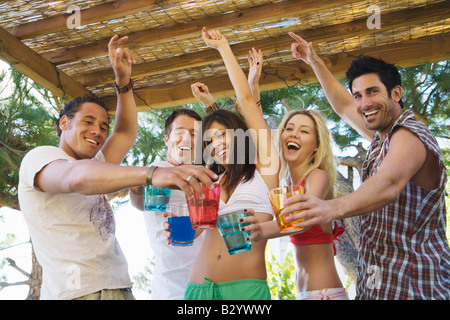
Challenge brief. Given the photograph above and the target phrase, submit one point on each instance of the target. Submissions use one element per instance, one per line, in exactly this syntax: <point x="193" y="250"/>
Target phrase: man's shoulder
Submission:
<point x="44" y="150"/>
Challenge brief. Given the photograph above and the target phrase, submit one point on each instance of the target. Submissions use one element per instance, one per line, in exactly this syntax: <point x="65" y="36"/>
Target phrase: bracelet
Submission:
<point x="259" y="103"/>
<point x="124" y="89"/>
<point x="149" y="175"/>
<point x="212" y="108"/>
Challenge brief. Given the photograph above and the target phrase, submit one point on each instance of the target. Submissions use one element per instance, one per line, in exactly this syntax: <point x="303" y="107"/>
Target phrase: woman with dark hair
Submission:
<point x="239" y="156"/>
<point x="216" y="274"/>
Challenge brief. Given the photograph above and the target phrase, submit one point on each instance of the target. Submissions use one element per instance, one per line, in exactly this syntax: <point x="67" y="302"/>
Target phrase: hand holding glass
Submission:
<point x="203" y="211"/>
<point x="277" y="197"/>
<point x="181" y="232"/>
<point x="156" y="199"/>
<point x="230" y="229"/>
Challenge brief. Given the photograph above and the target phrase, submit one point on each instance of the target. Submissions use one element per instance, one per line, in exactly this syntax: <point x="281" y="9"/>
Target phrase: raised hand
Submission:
<point x="201" y="92"/>
<point x="214" y="38"/>
<point x="255" y="60"/>
<point x="301" y="49"/>
<point x="121" y="60"/>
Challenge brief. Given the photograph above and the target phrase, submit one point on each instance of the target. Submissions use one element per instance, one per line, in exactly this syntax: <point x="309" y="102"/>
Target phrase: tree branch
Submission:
<point x="19" y="283"/>
<point x="13" y="264"/>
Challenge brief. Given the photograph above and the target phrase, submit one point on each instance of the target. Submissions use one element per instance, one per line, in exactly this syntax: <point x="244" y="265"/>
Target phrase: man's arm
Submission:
<point x="406" y="157"/>
<point x="339" y="97"/>
<point x="94" y="177"/>
<point x="125" y="128"/>
<point x="137" y="197"/>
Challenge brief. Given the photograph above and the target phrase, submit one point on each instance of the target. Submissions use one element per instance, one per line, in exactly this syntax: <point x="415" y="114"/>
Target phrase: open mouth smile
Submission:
<point x="221" y="153"/>
<point x="185" y="148"/>
<point x="293" y="146"/>
<point x="370" y="113"/>
<point x="92" y="141"/>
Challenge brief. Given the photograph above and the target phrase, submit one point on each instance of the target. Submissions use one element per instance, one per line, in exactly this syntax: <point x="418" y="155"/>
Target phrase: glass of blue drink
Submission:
<point x="230" y="229"/>
<point x="181" y="232"/>
<point x="156" y="199"/>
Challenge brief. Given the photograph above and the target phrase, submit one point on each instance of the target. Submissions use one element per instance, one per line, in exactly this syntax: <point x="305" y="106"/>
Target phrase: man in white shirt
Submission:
<point x="172" y="264"/>
<point x="62" y="192"/>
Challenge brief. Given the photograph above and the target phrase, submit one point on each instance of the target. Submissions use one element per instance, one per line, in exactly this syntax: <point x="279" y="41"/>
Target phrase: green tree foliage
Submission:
<point x="281" y="276"/>
<point x="25" y="124"/>
<point x="278" y="102"/>
<point x="149" y="145"/>
<point x="426" y="90"/>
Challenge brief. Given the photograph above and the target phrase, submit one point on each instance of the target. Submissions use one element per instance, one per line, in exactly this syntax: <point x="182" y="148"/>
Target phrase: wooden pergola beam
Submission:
<point x="102" y="12"/>
<point x="170" y="33"/>
<point x="408" y="53"/>
<point x="37" y="68"/>
<point x="391" y="20"/>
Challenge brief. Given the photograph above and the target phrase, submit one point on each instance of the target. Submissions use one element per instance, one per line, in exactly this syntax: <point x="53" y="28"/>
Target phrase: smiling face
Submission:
<point x="84" y="135"/>
<point x="180" y="141"/>
<point x="299" y="139"/>
<point x="373" y="103"/>
<point x="220" y="146"/>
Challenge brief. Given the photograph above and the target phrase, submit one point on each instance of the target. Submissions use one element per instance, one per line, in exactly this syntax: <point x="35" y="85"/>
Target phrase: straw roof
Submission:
<point x="37" y="39"/>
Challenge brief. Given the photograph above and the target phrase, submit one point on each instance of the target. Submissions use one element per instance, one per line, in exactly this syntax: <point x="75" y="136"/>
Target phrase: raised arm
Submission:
<point x="201" y="92"/>
<point x="125" y="128"/>
<point x="339" y="97"/>
<point x="255" y="61"/>
<point x="267" y="157"/>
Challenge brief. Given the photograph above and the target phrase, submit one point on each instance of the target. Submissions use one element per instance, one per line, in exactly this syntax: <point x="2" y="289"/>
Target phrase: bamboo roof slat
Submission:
<point x="165" y="35"/>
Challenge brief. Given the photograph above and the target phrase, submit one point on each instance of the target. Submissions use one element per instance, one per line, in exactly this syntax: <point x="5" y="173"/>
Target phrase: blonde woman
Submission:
<point x="306" y="158"/>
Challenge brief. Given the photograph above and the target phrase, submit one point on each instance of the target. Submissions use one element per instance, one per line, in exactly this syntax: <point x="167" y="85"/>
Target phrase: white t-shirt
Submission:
<point x="172" y="264"/>
<point x="73" y="234"/>
<point x="251" y="194"/>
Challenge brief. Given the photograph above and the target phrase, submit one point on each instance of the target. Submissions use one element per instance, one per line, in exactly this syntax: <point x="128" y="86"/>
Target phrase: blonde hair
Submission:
<point x="323" y="158"/>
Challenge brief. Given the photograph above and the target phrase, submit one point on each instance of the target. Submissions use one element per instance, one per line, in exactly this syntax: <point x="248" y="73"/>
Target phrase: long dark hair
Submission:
<point x="237" y="169"/>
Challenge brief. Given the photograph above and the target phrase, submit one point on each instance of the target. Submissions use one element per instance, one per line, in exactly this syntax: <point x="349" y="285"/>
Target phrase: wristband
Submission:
<point x="212" y="108"/>
<point x="124" y="89"/>
<point x="149" y="176"/>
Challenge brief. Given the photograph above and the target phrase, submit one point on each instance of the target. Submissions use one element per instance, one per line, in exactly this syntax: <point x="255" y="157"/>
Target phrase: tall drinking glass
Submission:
<point x="156" y="199"/>
<point x="181" y="232"/>
<point x="277" y="197"/>
<point x="230" y="228"/>
<point x="203" y="212"/>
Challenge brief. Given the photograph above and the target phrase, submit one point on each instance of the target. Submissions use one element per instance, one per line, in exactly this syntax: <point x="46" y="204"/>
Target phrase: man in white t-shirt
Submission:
<point x="172" y="264"/>
<point x="62" y="192"/>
